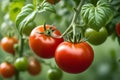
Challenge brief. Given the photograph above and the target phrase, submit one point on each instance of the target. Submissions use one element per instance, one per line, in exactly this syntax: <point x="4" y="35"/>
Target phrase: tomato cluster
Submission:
<point x="8" y="70"/>
<point x="71" y="57"/>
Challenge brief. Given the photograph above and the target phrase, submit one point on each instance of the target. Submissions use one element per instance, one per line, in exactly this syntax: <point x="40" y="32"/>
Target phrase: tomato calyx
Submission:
<point x="49" y="31"/>
<point x="73" y="38"/>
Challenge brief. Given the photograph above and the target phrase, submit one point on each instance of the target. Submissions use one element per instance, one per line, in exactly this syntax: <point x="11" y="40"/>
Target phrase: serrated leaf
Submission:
<point x="26" y="15"/>
<point x="97" y="16"/>
<point x="48" y="7"/>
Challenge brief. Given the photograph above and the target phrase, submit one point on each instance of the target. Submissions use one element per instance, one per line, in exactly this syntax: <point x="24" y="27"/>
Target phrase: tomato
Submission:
<point x="55" y="74"/>
<point x="27" y="29"/>
<point x="7" y="44"/>
<point x="74" y="57"/>
<point x="7" y="70"/>
<point x="44" y="42"/>
<point x="53" y="1"/>
<point x="34" y="67"/>
<point x="96" y="37"/>
<point x="118" y="29"/>
<point x="21" y="64"/>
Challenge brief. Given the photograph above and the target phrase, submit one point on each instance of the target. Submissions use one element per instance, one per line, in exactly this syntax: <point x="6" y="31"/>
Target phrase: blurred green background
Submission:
<point x="106" y="64"/>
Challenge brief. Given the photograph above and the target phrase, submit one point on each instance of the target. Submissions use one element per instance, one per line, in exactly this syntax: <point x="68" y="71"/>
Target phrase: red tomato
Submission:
<point x="118" y="29"/>
<point x="34" y="67"/>
<point x="44" y="42"/>
<point x="7" y="70"/>
<point x="74" y="58"/>
<point x="53" y="1"/>
<point x="8" y="43"/>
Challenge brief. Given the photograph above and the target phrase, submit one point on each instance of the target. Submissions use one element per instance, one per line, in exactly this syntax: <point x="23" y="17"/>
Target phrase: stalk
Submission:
<point x="74" y="20"/>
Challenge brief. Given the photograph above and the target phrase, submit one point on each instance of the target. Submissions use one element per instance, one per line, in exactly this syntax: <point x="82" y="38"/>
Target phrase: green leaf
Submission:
<point x="47" y="7"/>
<point x="26" y="16"/>
<point x="97" y="16"/>
<point x="14" y="9"/>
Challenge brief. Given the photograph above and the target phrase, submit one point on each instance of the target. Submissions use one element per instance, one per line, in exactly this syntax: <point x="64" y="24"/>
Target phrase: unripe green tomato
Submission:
<point x="21" y="64"/>
<point x="96" y="37"/>
<point x="55" y="74"/>
<point x="27" y="29"/>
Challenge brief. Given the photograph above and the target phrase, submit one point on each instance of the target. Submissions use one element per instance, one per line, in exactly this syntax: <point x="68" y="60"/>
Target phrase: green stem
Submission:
<point x="74" y="20"/>
<point x="67" y="30"/>
<point x="21" y="49"/>
<point x="46" y="63"/>
<point x="17" y="76"/>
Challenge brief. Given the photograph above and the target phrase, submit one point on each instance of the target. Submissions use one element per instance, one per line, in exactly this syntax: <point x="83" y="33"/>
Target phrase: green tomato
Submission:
<point x="27" y="29"/>
<point x="96" y="37"/>
<point x="21" y="64"/>
<point x="55" y="74"/>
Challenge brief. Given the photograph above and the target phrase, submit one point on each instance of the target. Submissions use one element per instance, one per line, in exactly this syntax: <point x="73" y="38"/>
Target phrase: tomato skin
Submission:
<point x="55" y="74"/>
<point x="44" y="46"/>
<point x="7" y="44"/>
<point x="21" y="64"/>
<point x="118" y="29"/>
<point x="96" y="37"/>
<point x="74" y="58"/>
<point x="53" y="1"/>
<point x="34" y="67"/>
<point x="7" y="70"/>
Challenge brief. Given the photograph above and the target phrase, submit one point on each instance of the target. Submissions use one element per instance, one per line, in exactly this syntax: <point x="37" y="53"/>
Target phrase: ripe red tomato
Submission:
<point x="7" y="70"/>
<point x="34" y="67"/>
<point x="44" y="42"/>
<point x="53" y="1"/>
<point x="74" y="57"/>
<point x="118" y="29"/>
<point x="8" y="43"/>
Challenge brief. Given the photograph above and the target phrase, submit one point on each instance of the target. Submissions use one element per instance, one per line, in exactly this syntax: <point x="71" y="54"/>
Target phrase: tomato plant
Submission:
<point x="8" y="43"/>
<point x="43" y="40"/>
<point x="7" y="70"/>
<point x="74" y="57"/>
<point x="21" y="64"/>
<point x="118" y="29"/>
<point x="34" y="67"/>
<point x="96" y="37"/>
<point x="76" y="21"/>
<point x="54" y="73"/>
